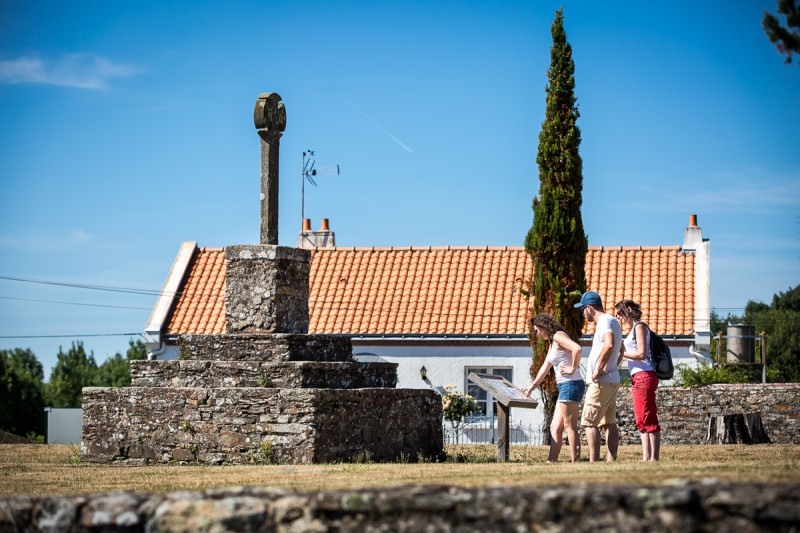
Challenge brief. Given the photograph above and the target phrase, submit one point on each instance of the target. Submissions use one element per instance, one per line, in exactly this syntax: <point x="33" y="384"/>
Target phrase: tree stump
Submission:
<point x="738" y="428"/>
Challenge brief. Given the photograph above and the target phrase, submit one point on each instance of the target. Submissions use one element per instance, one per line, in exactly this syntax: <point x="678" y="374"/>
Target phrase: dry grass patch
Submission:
<point x="56" y="469"/>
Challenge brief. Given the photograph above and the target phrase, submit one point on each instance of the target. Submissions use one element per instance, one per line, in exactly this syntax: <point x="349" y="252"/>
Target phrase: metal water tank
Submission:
<point x="741" y="343"/>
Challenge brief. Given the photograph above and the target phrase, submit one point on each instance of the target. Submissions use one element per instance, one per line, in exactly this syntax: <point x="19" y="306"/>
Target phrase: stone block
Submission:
<point x="240" y="425"/>
<point x="271" y="348"/>
<point x="266" y="289"/>
<point x="284" y="375"/>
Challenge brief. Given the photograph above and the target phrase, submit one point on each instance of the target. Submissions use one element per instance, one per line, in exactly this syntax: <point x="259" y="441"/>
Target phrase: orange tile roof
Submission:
<point x="200" y="303"/>
<point x="450" y="290"/>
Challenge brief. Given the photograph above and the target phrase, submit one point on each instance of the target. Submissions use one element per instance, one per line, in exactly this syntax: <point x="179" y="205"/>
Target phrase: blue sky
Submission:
<point x="127" y="129"/>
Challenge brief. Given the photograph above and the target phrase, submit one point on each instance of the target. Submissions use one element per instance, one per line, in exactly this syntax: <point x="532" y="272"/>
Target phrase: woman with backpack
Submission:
<point x="644" y="382"/>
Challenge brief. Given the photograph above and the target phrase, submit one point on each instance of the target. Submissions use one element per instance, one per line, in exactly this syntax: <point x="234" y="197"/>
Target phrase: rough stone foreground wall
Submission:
<point x="684" y="412"/>
<point x="231" y="425"/>
<point x="711" y="506"/>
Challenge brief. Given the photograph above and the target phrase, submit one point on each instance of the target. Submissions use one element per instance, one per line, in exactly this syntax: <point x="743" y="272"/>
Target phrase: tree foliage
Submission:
<point x="116" y="370"/>
<point x="786" y="39"/>
<point x="22" y="399"/>
<point x="556" y="242"/>
<point x="74" y="370"/>
<point x="780" y="322"/>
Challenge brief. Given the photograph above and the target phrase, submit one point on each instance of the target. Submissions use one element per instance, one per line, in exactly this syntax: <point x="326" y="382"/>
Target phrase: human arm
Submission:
<point x="641" y="353"/>
<point x="545" y="368"/>
<point x="605" y="355"/>
<point x="566" y="342"/>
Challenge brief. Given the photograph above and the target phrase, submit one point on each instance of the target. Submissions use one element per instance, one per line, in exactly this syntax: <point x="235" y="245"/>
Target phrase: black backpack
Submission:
<point x="660" y="356"/>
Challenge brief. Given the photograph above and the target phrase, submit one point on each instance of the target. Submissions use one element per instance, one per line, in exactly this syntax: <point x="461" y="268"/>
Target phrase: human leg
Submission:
<point x="646" y="453"/>
<point x="593" y="442"/>
<point x="612" y="441"/>
<point x="556" y="434"/>
<point x="655" y="445"/>
<point x="608" y="402"/>
<point x="639" y="397"/>
<point x="590" y="420"/>
<point x="570" y="414"/>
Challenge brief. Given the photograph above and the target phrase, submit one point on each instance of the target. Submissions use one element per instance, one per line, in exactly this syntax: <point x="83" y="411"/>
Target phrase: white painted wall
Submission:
<point x="446" y="365"/>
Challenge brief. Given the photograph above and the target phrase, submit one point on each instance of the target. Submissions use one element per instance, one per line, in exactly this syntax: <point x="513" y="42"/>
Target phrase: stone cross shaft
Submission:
<point x="269" y="118"/>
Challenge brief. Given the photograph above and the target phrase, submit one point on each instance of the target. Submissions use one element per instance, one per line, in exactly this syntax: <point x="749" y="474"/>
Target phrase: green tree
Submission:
<point x="116" y="370"/>
<point x="786" y="39"/>
<point x="556" y="242"/>
<point x="73" y="371"/>
<point x="781" y="323"/>
<point x="22" y="393"/>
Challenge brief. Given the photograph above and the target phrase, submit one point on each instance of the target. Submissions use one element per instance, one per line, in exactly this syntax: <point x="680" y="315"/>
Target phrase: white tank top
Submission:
<point x="560" y="357"/>
<point x="635" y="366"/>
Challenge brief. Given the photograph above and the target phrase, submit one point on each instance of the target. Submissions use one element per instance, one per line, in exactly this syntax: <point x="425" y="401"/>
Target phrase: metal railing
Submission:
<point x="482" y="430"/>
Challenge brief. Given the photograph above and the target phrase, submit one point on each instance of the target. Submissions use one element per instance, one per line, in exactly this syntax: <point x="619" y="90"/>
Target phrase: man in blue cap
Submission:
<point x="602" y="378"/>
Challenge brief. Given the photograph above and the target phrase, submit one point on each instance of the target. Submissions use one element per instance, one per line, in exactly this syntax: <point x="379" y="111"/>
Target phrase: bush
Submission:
<point x="456" y="406"/>
<point x="707" y="375"/>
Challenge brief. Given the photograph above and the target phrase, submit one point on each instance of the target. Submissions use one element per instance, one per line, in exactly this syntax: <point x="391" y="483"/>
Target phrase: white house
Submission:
<point x="451" y="310"/>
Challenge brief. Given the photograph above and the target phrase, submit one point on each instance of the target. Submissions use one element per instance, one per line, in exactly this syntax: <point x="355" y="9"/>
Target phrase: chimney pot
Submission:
<point x="306" y="225"/>
<point x="325" y="226"/>
<point x="693" y="221"/>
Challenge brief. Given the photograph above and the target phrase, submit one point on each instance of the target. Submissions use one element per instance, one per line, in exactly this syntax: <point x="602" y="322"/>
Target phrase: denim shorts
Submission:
<point x="571" y="391"/>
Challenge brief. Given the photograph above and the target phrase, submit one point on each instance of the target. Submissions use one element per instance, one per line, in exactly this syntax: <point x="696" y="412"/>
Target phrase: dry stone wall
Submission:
<point x="292" y="374"/>
<point x="266" y="289"/>
<point x="140" y="425"/>
<point x="684" y="412"/>
<point x="260" y="347"/>
<point x="707" y="506"/>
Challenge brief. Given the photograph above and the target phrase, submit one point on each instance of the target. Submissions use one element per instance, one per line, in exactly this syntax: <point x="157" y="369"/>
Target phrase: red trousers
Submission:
<point x="643" y="391"/>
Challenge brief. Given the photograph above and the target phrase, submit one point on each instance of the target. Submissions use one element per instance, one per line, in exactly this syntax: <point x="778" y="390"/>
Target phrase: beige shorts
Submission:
<point x="600" y="407"/>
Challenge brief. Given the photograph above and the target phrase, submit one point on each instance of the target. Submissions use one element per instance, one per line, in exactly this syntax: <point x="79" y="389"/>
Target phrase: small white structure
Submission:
<point x="64" y="425"/>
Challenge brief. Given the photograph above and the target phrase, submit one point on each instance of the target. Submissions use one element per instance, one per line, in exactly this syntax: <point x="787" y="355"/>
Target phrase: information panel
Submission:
<point x="502" y="390"/>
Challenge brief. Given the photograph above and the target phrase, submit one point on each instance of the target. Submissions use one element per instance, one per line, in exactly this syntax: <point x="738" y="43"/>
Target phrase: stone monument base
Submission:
<point x="141" y="425"/>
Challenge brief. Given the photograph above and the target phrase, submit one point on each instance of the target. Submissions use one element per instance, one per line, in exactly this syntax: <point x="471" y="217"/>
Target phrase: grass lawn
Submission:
<point x="29" y="469"/>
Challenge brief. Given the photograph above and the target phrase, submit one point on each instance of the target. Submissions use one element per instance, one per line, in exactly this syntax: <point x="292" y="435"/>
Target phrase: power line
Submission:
<point x="72" y="303"/>
<point x="69" y="336"/>
<point x="126" y="290"/>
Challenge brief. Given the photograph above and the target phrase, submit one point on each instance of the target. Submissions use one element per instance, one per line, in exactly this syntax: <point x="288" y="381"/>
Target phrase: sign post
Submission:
<point x="507" y="396"/>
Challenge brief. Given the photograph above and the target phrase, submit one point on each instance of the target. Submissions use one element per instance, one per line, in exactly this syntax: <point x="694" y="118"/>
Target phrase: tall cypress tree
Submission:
<point x="556" y="242"/>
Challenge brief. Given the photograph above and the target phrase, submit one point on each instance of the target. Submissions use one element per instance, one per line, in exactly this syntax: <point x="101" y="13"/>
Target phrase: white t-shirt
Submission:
<point x="604" y="324"/>
<point x="630" y="346"/>
<point x="562" y="356"/>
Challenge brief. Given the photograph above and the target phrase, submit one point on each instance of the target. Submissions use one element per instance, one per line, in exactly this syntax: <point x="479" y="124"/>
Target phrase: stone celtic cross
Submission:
<point x="269" y="118"/>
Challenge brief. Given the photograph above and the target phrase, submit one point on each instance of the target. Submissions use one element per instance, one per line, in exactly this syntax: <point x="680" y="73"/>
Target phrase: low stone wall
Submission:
<point x="304" y="374"/>
<point x="140" y="425"/>
<point x="710" y="506"/>
<point x="257" y="347"/>
<point x="684" y="412"/>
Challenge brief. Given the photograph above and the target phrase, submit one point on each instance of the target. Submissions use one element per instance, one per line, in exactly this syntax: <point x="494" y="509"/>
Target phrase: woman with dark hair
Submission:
<point x="564" y="357"/>
<point x="644" y="382"/>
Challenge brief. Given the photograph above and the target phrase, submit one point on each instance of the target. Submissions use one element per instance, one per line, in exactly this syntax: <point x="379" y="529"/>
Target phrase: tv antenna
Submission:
<point x="309" y="173"/>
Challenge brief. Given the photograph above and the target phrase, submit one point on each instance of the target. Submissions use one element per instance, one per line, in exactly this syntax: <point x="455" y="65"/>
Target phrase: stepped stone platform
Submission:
<point x="261" y="406"/>
<point x="291" y="374"/>
<point x="272" y="347"/>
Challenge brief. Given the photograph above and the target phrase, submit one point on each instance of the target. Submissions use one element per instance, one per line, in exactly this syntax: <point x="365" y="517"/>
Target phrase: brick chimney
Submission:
<point x="324" y="238"/>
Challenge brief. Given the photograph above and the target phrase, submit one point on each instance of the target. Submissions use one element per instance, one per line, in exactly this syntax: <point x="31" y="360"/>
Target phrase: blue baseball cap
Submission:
<point x="590" y="298"/>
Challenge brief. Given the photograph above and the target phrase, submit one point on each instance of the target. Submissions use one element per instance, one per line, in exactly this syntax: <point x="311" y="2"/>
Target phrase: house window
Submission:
<point x="485" y="408"/>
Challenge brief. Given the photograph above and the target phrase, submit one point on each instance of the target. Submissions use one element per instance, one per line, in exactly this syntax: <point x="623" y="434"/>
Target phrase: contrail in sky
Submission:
<point x="375" y="122"/>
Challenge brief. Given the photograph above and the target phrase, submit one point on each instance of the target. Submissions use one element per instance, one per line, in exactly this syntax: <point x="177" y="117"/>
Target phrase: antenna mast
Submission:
<point x="308" y="173"/>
